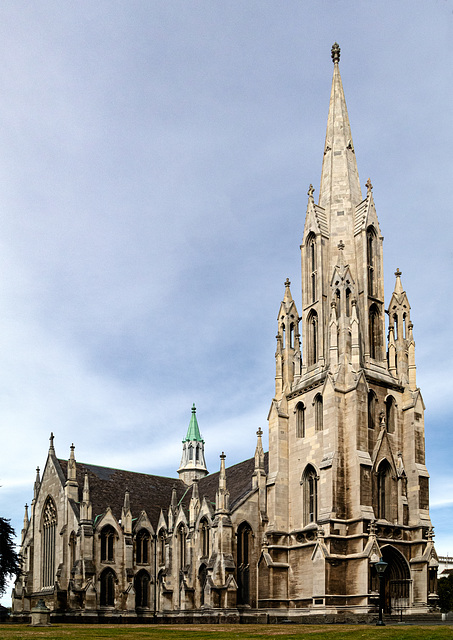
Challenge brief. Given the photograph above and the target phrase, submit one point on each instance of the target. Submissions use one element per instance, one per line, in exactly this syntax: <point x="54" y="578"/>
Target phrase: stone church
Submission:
<point x="289" y="534"/>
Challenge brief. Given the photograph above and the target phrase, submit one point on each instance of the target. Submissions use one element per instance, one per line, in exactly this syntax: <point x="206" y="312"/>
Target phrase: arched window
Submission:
<point x="374" y="330"/>
<point x="161" y="536"/>
<point x="107" y="543"/>
<point x="300" y="420"/>
<point x="291" y="335"/>
<point x="312" y="338"/>
<point x="371" y="260"/>
<point x="310" y="494"/>
<point x="390" y="411"/>
<point x="72" y="550"/>
<point x="108" y="579"/>
<point x="404" y="325"/>
<point x="197" y="454"/>
<point x="348" y="302"/>
<point x="190" y="452"/>
<point x="182" y="547"/>
<point x="371" y="410"/>
<point x="202" y="575"/>
<point x="395" y="326"/>
<point x="142" y="547"/>
<point x="141" y="586"/>
<point x="318" y="412"/>
<point x="384" y="477"/>
<point x="244" y="540"/>
<point x="204" y="531"/>
<point x="312" y="265"/>
<point x="49" y="527"/>
<point x="283" y="336"/>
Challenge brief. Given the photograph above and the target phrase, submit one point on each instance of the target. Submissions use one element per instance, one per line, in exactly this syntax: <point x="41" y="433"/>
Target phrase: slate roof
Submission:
<point x="153" y="493"/>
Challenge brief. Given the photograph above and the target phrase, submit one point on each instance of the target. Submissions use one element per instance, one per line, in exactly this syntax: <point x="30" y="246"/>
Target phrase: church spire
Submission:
<point x="340" y="186"/>
<point x="193" y="464"/>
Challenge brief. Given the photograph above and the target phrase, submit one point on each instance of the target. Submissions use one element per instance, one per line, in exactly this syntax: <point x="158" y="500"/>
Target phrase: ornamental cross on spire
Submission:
<point x="310" y="191"/>
<point x="336" y="53"/>
<point x="398" y="273"/>
<point x="368" y="185"/>
<point x="287" y="282"/>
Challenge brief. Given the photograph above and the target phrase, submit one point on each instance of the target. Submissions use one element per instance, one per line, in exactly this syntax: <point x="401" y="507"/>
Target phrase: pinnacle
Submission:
<point x="193" y="432"/>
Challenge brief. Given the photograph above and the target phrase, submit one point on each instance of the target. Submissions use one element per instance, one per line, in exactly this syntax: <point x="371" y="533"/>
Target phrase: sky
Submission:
<point x="154" y="164"/>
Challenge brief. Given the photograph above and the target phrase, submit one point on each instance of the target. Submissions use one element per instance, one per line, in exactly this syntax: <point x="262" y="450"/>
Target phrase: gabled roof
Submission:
<point x="153" y="493"/>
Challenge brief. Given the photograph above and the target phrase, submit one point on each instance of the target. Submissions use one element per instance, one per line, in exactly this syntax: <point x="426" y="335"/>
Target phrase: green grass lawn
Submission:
<point x="226" y="632"/>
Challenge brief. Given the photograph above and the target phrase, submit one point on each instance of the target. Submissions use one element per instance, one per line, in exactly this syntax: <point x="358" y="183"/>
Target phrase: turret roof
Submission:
<point x="193" y="432"/>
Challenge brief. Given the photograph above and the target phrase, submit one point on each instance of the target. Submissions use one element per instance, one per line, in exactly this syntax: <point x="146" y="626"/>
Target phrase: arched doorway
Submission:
<point x="397" y="580"/>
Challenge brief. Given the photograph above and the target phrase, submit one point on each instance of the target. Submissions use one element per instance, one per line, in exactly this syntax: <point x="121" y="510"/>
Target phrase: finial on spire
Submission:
<point x="341" y="245"/>
<point x="310" y="191"/>
<point x="369" y="186"/>
<point x="194" y="409"/>
<point x="259" y="433"/>
<point x="398" y="273"/>
<point x="335" y="51"/>
<point x="51" y="439"/>
<point x="287" y="282"/>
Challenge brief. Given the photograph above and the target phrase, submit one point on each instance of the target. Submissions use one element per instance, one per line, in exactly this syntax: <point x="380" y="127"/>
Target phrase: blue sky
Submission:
<point x="154" y="164"/>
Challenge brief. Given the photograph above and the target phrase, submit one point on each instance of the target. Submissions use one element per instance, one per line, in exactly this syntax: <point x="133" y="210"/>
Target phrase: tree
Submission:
<point x="9" y="558"/>
<point x="445" y="593"/>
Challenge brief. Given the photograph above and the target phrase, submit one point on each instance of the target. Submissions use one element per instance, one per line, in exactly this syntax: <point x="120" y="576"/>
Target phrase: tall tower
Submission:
<point x="347" y="477"/>
<point x="193" y="464"/>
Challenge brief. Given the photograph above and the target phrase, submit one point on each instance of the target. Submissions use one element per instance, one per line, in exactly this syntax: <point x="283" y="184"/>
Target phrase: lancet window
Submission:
<point x="374" y="331"/>
<point x="318" y="412"/>
<point x="141" y="586"/>
<point x="49" y="527"/>
<point x="204" y="530"/>
<point x="384" y="494"/>
<point x="312" y="338"/>
<point x="312" y="265"/>
<point x="300" y="420"/>
<point x="371" y="260"/>
<point x="390" y="411"/>
<point x="182" y="547"/>
<point x="142" y="547"/>
<point x="310" y="494"/>
<point x="107" y="544"/>
<point x="244" y="540"/>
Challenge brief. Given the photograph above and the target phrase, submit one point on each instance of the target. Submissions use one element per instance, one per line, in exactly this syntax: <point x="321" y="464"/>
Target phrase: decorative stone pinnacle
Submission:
<point x="398" y="273"/>
<point x="368" y="185"/>
<point x="310" y="191"/>
<point x="341" y="245"/>
<point x="335" y="51"/>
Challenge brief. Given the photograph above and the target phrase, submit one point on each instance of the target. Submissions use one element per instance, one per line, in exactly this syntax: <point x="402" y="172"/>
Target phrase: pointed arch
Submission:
<point x="374" y="332"/>
<point x="244" y="544"/>
<point x="181" y="540"/>
<point x="202" y="576"/>
<point x="309" y="484"/>
<point x="390" y="414"/>
<point x="108" y="534"/>
<point x="312" y="265"/>
<point x="384" y="490"/>
<point x="142" y="582"/>
<point x="162" y="539"/>
<point x="319" y="412"/>
<point x="142" y="540"/>
<point x="107" y="580"/>
<point x="204" y="537"/>
<point x="48" y="528"/>
<point x="312" y="332"/>
<point x="371" y="251"/>
<point x="300" y="420"/>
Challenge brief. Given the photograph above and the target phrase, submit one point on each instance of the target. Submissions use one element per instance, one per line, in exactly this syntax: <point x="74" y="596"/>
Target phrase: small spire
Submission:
<point x="174" y="499"/>
<point x="72" y="474"/>
<point x="86" y="489"/>
<point x="26" y="516"/>
<point x="37" y="484"/>
<point x="127" y="502"/>
<point x="259" y="451"/>
<point x="51" y="439"/>
<point x="193" y="432"/>
<point x="335" y="51"/>
<point x="287" y="297"/>
<point x="398" y="283"/>
<point x="195" y="489"/>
